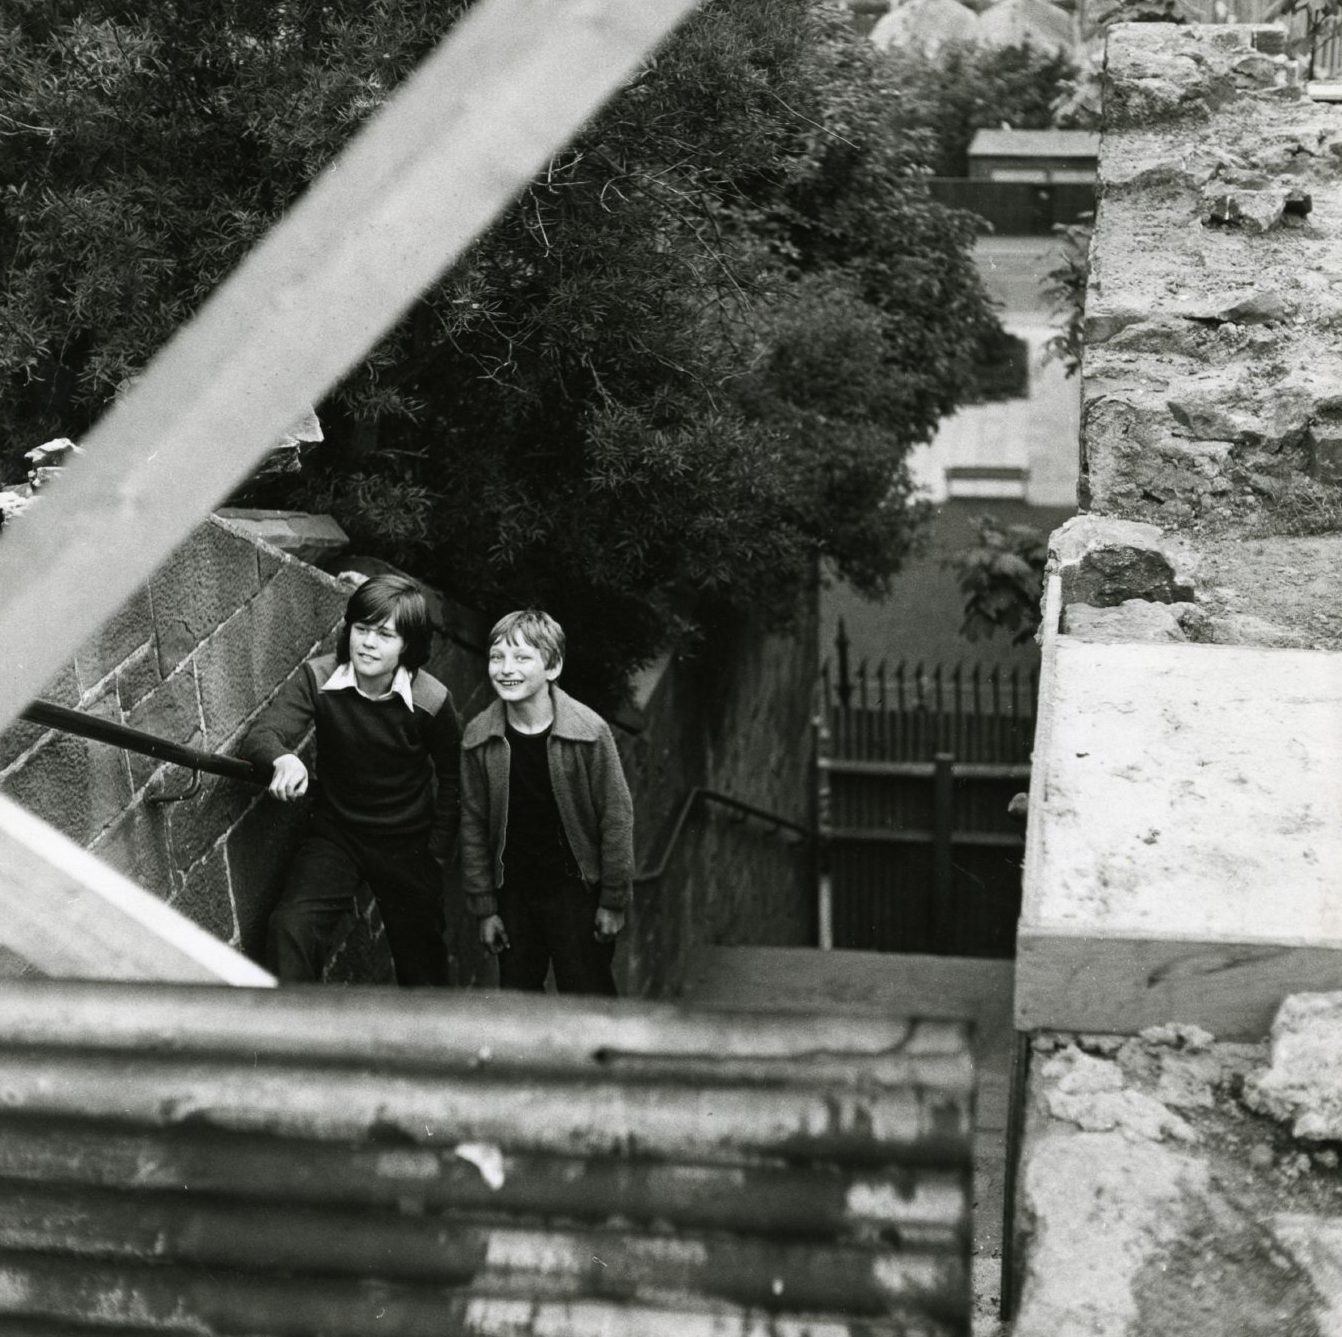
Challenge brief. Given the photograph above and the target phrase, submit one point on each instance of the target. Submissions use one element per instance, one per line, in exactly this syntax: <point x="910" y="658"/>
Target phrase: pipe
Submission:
<point x="916" y="1206"/>
<point x="705" y="1121"/>
<point x="470" y="1031"/>
<point x="504" y="1258"/>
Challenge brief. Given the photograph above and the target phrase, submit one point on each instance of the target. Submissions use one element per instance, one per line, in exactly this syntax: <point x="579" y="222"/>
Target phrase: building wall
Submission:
<point x="736" y="719"/>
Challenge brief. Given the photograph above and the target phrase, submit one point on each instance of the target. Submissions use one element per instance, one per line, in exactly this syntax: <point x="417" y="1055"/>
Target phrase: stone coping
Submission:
<point x="1185" y="836"/>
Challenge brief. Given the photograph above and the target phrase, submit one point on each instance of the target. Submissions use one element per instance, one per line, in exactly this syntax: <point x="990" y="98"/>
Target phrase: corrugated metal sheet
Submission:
<point x="315" y="1161"/>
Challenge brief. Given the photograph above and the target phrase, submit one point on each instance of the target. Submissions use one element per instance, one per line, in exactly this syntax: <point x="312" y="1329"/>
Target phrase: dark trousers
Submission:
<point x="320" y="895"/>
<point x="554" y="925"/>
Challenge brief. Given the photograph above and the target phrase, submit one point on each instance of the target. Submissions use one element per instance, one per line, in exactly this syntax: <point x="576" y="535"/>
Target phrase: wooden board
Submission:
<point x="857" y="984"/>
<point x="1185" y="831"/>
<point x="68" y="914"/>
<point x="1107" y="984"/>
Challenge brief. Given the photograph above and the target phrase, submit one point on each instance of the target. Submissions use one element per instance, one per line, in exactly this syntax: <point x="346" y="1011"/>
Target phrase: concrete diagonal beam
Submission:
<point x="508" y="87"/>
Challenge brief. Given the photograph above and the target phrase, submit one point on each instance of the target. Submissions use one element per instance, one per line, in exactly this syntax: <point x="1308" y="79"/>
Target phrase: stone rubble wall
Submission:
<point x="1172" y="1182"/>
<point x="1155" y="1202"/>
<point x="1212" y="389"/>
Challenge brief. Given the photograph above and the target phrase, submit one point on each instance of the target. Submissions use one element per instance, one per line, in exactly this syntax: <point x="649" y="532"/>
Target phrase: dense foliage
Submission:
<point x="1002" y="578"/>
<point x="961" y="87"/>
<point x="1309" y="23"/>
<point x="1065" y="287"/>
<point x="686" y="364"/>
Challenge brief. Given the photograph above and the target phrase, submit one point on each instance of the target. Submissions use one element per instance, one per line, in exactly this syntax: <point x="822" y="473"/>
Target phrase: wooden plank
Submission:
<point x="849" y="984"/>
<point x="1050" y="623"/>
<point x="860" y="984"/>
<point x="67" y="913"/>
<point x="513" y="81"/>
<point x="1110" y="984"/>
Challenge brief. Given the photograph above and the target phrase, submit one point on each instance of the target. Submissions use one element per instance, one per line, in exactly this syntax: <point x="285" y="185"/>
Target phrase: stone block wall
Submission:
<point x="191" y="657"/>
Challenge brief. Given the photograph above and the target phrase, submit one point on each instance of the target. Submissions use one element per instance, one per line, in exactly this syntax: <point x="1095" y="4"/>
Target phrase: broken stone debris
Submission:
<point x="1135" y="620"/>
<point x="1129" y="1228"/>
<point x="1253" y="210"/>
<point x="1302" y="1085"/>
<point x="1103" y="562"/>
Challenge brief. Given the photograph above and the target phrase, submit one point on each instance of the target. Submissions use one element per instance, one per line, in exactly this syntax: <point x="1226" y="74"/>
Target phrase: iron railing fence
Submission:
<point x="910" y="711"/>
<point x="917" y="764"/>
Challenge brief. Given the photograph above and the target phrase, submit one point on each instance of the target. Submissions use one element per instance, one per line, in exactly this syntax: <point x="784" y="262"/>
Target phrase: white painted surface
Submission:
<point x="1038" y="434"/>
<point x="1192" y="791"/>
<point x="70" y="915"/>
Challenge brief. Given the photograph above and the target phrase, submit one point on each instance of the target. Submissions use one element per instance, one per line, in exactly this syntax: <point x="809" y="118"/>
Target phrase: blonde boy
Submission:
<point x="546" y="819"/>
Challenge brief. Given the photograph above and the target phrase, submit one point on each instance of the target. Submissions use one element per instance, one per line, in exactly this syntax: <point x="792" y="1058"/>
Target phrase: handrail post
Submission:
<point x="845" y="680"/>
<point x="823" y="816"/>
<point x="943" y="822"/>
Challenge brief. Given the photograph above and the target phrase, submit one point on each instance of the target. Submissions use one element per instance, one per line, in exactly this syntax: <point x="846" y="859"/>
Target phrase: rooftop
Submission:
<point x="1035" y="144"/>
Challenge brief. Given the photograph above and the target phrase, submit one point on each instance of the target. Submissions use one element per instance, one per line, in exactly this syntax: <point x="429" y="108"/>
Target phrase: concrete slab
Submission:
<point x="1185" y="838"/>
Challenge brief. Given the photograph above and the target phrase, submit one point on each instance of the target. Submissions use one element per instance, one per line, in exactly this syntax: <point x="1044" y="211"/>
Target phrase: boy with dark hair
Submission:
<point x="547" y="828"/>
<point x="386" y="802"/>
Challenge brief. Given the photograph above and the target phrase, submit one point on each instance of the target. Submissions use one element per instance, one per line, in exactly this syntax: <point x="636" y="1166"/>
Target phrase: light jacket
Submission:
<point x="590" y="792"/>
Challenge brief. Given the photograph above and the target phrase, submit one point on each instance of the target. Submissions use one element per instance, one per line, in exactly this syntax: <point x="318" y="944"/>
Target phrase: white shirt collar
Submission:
<point x="344" y="677"/>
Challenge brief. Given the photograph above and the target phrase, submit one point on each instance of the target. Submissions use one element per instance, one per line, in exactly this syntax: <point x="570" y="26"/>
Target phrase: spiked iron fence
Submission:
<point x="916" y="767"/>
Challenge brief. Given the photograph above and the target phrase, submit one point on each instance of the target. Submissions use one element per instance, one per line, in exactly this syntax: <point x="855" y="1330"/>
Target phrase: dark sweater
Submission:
<point x="383" y="769"/>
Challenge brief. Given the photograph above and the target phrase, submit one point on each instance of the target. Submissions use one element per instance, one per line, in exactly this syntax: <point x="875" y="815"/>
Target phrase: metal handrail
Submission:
<point x="51" y="716"/>
<point x="726" y="801"/>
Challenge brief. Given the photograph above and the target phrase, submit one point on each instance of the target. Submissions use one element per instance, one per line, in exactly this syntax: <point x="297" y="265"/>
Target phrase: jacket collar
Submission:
<point x="572" y="720"/>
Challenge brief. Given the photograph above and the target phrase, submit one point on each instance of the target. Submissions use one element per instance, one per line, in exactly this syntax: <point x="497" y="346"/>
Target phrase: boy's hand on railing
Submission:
<point x="608" y="924"/>
<point x="493" y="935"/>
<point x="289" y="779"/>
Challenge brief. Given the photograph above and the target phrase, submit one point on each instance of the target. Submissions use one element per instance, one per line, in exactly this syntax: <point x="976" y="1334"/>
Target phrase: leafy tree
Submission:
<point x="952" y="93"/>
<point x="1065" y="286"/>
<point x="1309" y="22"/>
<point x="1002" y="579"/>
<point x="685" y="365"/>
